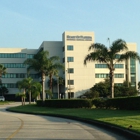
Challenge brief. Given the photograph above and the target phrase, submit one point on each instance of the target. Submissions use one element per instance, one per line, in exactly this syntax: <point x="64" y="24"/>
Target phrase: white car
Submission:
<point x="2" y="98"/>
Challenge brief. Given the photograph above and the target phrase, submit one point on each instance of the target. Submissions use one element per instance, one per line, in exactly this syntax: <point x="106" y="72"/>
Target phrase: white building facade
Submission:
<point x="72" y="50"/>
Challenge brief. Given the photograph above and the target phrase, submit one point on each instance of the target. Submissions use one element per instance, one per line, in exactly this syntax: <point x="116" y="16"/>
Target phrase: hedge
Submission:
<point x="66" y="103"/>
<point x="126" y="103"/>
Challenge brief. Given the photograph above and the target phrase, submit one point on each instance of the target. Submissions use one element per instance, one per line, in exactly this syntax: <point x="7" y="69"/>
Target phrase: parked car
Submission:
<point x="2" y="98"/>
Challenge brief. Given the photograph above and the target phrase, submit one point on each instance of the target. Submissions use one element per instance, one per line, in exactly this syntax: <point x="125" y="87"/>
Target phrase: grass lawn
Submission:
<point x="4" y="102"/>
<point x="122" y="118"/>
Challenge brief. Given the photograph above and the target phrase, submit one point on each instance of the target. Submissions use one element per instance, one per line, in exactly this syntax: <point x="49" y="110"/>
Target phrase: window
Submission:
<point x="119" y="75"/>
<point x="63" y="49"/>
<point x="70" y="70"/>
<point x="30" y="55"/>
<point x="10" y="85"/>
<point x="101" y="75"/>
<point x="70" y="95"/>
<point x="118" y="84"/>
<point x="101" y="66"/>
<point x="63" y="60"/>
<point x="117" y="56"/>
<point x="70" y="82"/>
<point x="70" y="59"/>
<point x="119" y="65"/>
<point x="34" y="76"/>
<point x="105" y="66"/>
<point x="70" y="47"/>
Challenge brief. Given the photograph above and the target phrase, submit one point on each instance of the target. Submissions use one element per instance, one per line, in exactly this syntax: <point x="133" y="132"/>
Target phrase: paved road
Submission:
<point x="17" y="126"/>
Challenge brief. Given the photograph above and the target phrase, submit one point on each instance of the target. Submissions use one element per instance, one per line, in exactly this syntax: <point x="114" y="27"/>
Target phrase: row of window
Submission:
<point x="14" y="65"/>
<point x="14" y="75"/>
<point x="10" y="85"/>
<point x="103" y="75"/>
<point x="20" y="75"/>
<point x="12" y="55"/>
<point x="105" y="66"/>
<point x="15" y="55"/>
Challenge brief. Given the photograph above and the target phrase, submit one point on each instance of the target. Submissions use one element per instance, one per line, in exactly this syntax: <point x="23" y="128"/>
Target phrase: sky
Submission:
<point x="27" y="23"/>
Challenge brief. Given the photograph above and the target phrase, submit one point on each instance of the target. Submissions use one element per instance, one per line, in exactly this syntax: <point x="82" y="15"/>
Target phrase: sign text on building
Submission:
<point x="79" y="38"/>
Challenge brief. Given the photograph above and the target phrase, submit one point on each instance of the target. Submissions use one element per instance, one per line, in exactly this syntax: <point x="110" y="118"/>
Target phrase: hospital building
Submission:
<point x="71" y="50"/>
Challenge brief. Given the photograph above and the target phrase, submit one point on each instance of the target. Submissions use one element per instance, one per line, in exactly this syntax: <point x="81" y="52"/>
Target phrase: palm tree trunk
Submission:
<point x="43" y="87"/>
<point x="24" y="96"/>
<point x="22" y="100"/>
<point x="29" y="97"/>
<point x="51" y="83"/>
<point x="112" y="82"/>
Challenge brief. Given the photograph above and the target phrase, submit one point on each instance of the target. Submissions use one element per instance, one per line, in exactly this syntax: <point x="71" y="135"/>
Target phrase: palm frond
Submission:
<point x="95" y="56"/>
<point x="97" y="46"/>
<point x="129" y="54"/>
<point x="118" y="46"/>
<point x="53" y="58"/>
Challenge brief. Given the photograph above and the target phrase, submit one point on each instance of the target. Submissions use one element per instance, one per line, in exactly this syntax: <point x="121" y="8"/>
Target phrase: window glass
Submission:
<point x="101" y="66"/>
<point x="119" y="66"/>
<point x="70" y="95"/>
<point x="70" y="70"/>
<point x="70" y="47"/>
<point x="70" y="59"/>
<point x="119" y="75"/>
<point x="101" y="75"/>
<point x="70" y="82"/>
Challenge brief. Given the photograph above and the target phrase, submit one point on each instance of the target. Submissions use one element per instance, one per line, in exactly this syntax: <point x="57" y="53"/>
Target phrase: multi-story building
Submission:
<point x="72" y="50"/>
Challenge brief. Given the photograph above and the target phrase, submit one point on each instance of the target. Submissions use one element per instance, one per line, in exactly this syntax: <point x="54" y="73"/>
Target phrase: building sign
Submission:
<point x="79" y="38"/>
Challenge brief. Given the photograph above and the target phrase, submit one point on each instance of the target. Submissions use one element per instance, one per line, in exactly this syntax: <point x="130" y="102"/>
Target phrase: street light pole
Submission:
<point x="58" y="86"/>
<point x="69" y="80"/>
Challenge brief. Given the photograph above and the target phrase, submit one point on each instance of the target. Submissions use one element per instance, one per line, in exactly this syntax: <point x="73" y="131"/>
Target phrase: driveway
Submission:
<point x="18" y="126"/>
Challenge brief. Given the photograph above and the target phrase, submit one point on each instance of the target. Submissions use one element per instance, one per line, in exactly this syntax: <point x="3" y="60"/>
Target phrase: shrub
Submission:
<point x="99" y="102"/>
<point x="67" y="103"/>
<point x="126" y="103"/>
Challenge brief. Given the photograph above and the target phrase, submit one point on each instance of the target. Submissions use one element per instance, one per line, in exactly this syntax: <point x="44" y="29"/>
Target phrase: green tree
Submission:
<point x="53" y="69"/>
<point x="39" y="63"/>
<point x="2" y="72"/>
<point x="103" y="88"/>
<point x="22" y="87"/>
<point x="91" y="94"/>
<point x="3" y="90"/>
<point x="109" y="56"/>
<point x="36" y="90"/>
<point x="59" y="82"/>
<point x="31" y="86"/>
<point x="23" y="96"/>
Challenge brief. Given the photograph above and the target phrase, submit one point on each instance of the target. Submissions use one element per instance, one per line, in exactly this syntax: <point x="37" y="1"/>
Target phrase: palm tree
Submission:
<point x="53" y="69"/>
<point x="2" y="72"/>
<point x="22" y="86"/>
<point x="36" y="89"/>
<point x="102" y="54"/>
<point x="40" y="64"/>
<point x="32" y="87"/>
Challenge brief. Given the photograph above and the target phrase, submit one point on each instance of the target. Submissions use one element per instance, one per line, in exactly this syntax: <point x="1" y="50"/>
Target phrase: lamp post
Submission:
<point x="66" y="82"/>
<point x="69" y="80"/>
<point x="58" y="86"/>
